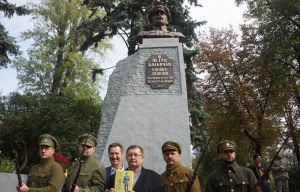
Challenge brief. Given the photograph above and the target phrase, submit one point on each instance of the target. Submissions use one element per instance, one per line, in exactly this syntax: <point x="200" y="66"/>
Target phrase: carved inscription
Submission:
<point x="159" y="72"/>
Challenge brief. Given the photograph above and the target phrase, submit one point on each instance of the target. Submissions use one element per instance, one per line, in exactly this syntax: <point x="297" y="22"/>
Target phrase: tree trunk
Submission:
<point x="59" y="68"/>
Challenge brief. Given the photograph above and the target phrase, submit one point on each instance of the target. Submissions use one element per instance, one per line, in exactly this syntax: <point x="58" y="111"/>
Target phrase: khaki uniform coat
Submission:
<point x="47" y="176"/>
<point x="91" y="177"/>
<point x="279" y="168"/>
<point x="177" y="178"/>
<point x="280" y="174"/>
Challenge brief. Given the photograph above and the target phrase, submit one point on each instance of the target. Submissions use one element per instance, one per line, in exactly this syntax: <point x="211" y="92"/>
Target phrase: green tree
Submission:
<point x="278" y="26"/>
<point x="59" y="96"/>
<point x="27" y="116"/>
<point x="55" y="64"/>
<point x="241" y="92"/>
<point x="8" y="44"/>
<point x="127" y="18"/>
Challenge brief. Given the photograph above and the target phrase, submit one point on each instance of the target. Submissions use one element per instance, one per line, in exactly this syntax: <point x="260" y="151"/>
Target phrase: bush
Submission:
<point x="6" y="165"/>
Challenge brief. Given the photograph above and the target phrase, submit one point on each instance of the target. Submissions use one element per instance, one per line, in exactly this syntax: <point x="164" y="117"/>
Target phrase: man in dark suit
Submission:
<point x="145" y="180"/>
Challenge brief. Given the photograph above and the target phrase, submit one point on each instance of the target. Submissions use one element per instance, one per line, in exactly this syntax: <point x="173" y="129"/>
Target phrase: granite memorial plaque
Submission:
<point x="159" y="72"/>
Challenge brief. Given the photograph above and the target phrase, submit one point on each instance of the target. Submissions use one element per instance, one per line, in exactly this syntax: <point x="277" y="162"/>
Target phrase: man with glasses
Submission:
<point x="92" y="172"/>
<point x="145" y="180"/>
<point x="230" y="176"/>
<point x="48" y="175"/>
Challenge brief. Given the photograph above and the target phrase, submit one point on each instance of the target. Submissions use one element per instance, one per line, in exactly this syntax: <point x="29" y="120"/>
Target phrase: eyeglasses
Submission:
<point x="45" y="147"/>
<point x="86" y="146"/>
<point x="134" y="155"/>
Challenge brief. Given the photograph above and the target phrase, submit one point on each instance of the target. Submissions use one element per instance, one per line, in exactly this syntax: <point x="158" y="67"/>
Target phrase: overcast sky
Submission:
<point x="218" y="14"/>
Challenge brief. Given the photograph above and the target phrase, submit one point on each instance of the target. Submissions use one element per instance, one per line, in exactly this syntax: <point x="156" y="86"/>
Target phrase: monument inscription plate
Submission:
<point x="159" y="72"/>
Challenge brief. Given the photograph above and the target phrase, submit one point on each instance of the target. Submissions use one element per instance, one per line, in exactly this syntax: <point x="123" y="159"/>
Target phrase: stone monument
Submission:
<point x="146" y="100"/>
<point x="9" y="181"/>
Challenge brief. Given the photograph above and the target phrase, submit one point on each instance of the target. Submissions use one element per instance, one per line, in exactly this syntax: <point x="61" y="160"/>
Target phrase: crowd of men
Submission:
<point x="88" y="174"/>
<point x="48" y="175"/>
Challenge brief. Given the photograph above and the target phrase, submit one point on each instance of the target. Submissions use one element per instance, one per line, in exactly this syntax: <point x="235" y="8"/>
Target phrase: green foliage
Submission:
<point x="276" y="28"/>
<point x="27" y="116"/>
<point x="8" y="45"/>
<point x="252" y="86"/>
<point x="198" y="118"/>
<point x="6" y="164"/>
<point x="55" y="64"/>
<point x="129" y="17"/>
<point x="9" y="9"/>
<point x="242" y="92"/>
<point x="59" y="97"/>
<point x="208" y="164"/>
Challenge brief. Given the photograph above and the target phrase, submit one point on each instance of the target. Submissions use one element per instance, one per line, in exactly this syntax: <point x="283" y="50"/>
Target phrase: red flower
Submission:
<point x="61" y="159"/>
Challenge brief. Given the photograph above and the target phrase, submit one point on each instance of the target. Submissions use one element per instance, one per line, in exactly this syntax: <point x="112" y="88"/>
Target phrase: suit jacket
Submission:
<point x="148" y="181"/>
<point x="109" y="177"/>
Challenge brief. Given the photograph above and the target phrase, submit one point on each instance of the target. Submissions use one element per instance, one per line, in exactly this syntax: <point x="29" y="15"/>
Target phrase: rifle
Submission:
<point x="191" y="182"/>
<point x="260" y="182"/>
<point x="74" y="183"/>
<point x="17" y="167"/>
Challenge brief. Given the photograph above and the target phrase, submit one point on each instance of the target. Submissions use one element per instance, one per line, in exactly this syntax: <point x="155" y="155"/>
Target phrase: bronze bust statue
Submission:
<point x="160" y="16"/>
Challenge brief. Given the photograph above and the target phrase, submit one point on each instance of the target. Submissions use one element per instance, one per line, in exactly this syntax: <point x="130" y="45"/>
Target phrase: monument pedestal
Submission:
<point x="136" y="113"/>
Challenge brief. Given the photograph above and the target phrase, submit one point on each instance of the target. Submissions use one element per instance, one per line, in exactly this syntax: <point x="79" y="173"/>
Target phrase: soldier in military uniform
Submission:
<point x="48" y="175"/>
<point x="230" y="176"/>
<point x="177" y="177"/>
<point x="280" y="173"/>
<point x="92" y="172"/>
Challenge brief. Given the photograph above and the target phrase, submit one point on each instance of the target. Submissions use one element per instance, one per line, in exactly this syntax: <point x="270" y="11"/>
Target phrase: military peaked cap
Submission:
<point x="48" y="140"/>
<point x="226" y="145"/>
<point x="171" y="146"/>
<point x="87" y="139"/>
<point x="157" y="8"/>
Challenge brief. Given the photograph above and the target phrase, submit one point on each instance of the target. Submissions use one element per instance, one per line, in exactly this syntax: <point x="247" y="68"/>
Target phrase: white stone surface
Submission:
<point x="9" y="181"/>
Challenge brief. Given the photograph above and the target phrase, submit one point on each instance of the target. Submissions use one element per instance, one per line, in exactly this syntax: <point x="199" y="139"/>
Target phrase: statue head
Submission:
<point x="159" y="16"/>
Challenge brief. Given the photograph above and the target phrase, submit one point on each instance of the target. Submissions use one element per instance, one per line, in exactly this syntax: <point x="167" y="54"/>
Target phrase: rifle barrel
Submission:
<point x="191" y="182"/>
<point x="74" y="183"/>
<point x="76" y="177"/>
<point x="260" y="181"/>
<point x="18" y="172"/>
